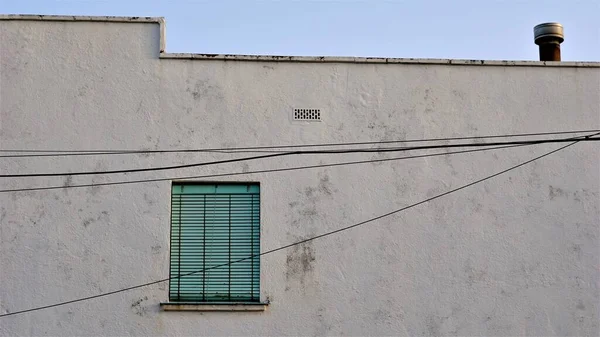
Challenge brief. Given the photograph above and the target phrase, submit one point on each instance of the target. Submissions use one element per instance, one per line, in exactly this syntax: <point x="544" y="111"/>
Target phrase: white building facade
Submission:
<point x="513" y="255"/>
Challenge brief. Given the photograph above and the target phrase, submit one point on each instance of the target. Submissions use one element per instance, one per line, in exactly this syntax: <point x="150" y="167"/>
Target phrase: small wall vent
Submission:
<point x="307" y="114"/>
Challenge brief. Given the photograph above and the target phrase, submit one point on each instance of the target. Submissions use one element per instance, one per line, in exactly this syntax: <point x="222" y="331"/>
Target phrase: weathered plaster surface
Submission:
<point x="517" y="255"/>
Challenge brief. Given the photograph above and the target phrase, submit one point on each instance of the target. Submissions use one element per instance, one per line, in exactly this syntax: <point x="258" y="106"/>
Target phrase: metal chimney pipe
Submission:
<point x="549" y="36"/>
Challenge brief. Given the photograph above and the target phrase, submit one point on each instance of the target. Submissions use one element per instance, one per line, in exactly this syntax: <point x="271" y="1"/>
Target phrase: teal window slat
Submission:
<point x="215" y="242"/>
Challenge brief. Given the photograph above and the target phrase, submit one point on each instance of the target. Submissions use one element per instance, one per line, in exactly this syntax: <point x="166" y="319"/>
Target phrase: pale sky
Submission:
<point x="464" y="29"/>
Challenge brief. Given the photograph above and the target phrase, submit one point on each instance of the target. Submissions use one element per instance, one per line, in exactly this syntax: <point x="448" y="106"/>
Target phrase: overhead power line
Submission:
<point x="77" y="154"/>
<point x="307" y="152"/>
<point x="295" y="243"/>
<point x="255" y="172"/>
<point x="55" y="153"/>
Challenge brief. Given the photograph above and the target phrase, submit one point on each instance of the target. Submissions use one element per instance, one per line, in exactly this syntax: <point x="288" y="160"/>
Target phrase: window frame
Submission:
<point x="254" y="300"/>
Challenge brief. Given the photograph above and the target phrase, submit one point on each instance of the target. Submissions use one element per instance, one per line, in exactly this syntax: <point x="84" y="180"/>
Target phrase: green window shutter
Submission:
<point x="212" y="227"/>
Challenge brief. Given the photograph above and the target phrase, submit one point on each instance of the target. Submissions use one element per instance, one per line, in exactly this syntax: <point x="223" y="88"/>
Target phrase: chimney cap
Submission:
<point x="549" y="32"/>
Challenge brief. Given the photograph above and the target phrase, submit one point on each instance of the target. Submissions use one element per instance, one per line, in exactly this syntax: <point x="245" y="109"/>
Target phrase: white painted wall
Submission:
<point x="516" y="255"/>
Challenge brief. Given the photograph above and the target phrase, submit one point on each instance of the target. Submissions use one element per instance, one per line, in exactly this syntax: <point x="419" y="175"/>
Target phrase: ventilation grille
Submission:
<point x="307" y="114"/>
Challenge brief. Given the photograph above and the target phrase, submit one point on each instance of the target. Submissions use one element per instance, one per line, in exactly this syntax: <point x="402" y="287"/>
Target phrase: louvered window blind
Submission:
<point x="215" y="225"/>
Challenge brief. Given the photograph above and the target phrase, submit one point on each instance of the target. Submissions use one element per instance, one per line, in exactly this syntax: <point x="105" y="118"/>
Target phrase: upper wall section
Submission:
<point x="161" y="47"/>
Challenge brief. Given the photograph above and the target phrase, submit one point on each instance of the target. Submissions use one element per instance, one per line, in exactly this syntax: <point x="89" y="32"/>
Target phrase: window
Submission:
<point x="212" y="227"/>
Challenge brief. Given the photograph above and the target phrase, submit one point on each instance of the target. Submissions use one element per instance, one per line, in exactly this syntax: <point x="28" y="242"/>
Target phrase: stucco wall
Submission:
<point x="517" y="255"/>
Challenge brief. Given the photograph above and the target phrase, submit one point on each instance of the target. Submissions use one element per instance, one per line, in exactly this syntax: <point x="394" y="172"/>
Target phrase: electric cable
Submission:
<point x="76" y="154"/>
<point x="309" y="152"/>
<point x="255" y="172"/>
<point x="47" y="153"/>
<point x="298" y="242"/>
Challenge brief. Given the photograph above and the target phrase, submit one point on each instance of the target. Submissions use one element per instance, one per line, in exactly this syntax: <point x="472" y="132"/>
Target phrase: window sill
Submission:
<point x="216" y="306"/>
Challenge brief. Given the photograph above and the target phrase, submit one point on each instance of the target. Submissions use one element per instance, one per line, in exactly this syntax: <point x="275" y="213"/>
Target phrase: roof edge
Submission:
<point x="274" y="58"/>
<point x="375" y="60"/>
<point x="40" y="17"/>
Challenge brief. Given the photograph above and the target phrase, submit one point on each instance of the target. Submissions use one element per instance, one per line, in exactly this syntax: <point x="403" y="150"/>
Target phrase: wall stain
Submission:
<point x="325" y="185"/>
<point x="147" y="148"/>
<point x="202" y="89"/>
<point x="137" y="307"/>
<point x="459" y="94"/>
<point x="100" y="166"/>
<point x="299" y="264"/>
<point x="38" y="216"/>
<point x="477" y="206"/>
<point x="68" y="182"/>
<point x="584" y="194"/>
<point x="386" y="315"/>
<point x="384" y="131"/>
<point x="103" y="216"/>
<point x="576" y="249"/>
<point x="473" y="275"/>
<point x="306" y="207"/>
<point x="323" y="327"/>
<point x="428" y="104"/>
<point x="66" y="317"/>
<point x="65" y="269"/>
<point x="106" y="271"/>
<point x="433" y="324"/>
<point x="83" y="91"/>
<point x="534" y="178"/>
<point x="448" y="160"/>
<point x="149" y="203"/>
<point x="554" y="192"/>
